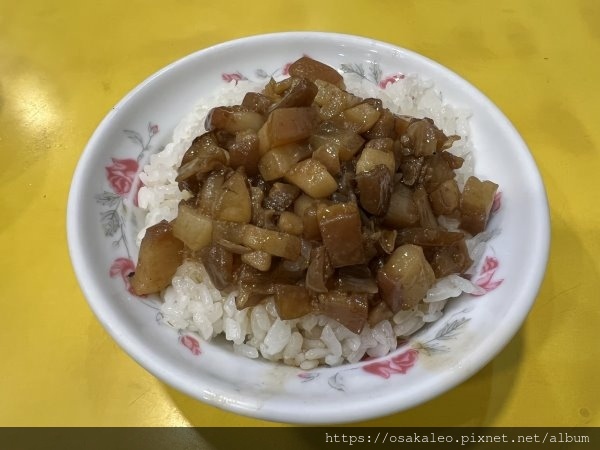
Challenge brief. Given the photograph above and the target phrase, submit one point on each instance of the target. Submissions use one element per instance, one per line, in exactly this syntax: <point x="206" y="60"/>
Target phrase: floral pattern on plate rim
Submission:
<point x="122" y="178"/>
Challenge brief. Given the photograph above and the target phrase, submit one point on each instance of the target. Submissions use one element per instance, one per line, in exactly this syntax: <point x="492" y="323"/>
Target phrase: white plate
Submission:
<point x="101" y="232"/>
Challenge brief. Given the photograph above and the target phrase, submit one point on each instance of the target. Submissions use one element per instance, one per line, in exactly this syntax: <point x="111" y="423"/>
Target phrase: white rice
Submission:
<point x="193" y="304"/>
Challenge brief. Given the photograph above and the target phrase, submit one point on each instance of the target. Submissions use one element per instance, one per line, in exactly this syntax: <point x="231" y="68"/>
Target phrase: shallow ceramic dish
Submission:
<point x="102" y="225"/>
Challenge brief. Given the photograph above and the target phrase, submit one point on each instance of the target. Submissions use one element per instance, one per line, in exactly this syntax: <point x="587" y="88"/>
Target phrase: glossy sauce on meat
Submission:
<point x="323" y="200"/>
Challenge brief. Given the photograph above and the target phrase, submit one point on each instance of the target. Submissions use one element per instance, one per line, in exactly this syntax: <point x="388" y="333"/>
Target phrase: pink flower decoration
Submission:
<point x="485" y="279"/>
<point x="123" y="267"/>
<point x="152" y="129"/>
<point x="191" y="343"/>
<point x="497" y="202"/>
<point x="390" y="80"/>
<point x="397" y="364"/>
<point x="306" y="376"/>
<point x="120" y="175"/>
<point x="235" y="77"/>
<point x="490" y="264"/>
<point x="137" y="185"/>
<point x="286" y="69"/>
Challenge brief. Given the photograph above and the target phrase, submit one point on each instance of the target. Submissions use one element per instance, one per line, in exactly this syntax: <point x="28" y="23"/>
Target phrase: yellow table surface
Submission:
<point x="64" y="64"/>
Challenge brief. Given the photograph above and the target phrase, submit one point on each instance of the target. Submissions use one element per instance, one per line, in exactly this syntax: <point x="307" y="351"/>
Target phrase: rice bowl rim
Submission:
<point x="284" y="408"/>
